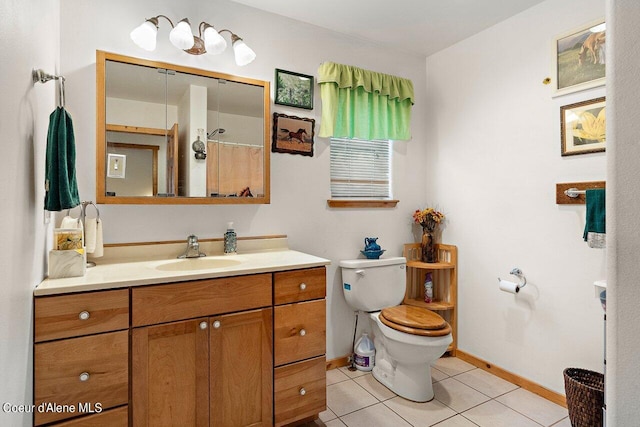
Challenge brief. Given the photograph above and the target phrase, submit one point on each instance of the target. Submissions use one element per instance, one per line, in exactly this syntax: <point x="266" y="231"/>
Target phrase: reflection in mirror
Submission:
<point x="186" y="135"/>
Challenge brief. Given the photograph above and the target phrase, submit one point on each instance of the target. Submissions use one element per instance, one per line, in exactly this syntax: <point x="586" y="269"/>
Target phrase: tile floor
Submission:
<point x="465" y="396"/>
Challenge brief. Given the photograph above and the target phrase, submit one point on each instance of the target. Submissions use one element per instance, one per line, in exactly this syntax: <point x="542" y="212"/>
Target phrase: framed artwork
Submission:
<point x="579" y="60"/>
<point x="294" y="89"/>
<point x="583" y="127"/>
<point x="292" y="135"/>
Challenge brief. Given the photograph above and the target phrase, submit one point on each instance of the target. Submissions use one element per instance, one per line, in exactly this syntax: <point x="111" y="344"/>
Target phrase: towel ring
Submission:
<point x="87" y="204"/>
<point x="79" y="219"/>
<point x="83" y="211"/>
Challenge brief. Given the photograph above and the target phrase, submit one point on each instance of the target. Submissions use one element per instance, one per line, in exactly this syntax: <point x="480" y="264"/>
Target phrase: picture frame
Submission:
<point x="579" y="58"/>
<point x="583" y="127"/>
<point x="293" y="89"/>
<point x="293" y="135"/>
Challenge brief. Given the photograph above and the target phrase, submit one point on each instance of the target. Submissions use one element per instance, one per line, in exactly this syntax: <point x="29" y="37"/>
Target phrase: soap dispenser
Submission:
<point x="230" y="240"/>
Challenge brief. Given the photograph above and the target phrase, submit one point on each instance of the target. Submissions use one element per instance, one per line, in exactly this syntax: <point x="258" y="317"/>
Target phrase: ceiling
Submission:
<point x="420" y="27"/>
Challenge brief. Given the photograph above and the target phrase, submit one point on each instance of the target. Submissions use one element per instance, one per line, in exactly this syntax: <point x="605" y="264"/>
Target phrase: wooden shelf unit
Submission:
<point x="445" y="284"/>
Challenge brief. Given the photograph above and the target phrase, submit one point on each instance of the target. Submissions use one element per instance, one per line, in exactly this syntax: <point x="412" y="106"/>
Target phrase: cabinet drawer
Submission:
<point x="299" y="285"/>
<point x="299" y="331"/>
<point x="74" y="315"/>
<point x="178" y="301"/>
<point x="300" y="390"/>
<point x="59" y="368"/>
<point x="118" y="417"/>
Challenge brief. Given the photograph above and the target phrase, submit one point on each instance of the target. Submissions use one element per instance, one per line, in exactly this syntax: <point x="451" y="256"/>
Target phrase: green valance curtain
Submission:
<point x="364" y="104"/>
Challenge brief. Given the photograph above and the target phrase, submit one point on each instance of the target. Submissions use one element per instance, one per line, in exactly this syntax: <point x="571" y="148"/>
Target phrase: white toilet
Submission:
<point x="407" y="339"/>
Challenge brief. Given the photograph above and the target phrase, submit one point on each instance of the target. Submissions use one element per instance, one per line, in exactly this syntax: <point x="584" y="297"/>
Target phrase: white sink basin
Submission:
<point x="190" y="264"/>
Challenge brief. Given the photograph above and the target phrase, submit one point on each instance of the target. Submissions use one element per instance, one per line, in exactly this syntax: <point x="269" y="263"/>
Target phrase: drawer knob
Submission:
<point x="303" y="286"/>
<point x="303" y="391"/>
<point x="84" y="315"/>
<point x="216" y="324"/>
<point x="203" y="325"/>
<point x="302" y="332"/>
<point x="84" y="376"/>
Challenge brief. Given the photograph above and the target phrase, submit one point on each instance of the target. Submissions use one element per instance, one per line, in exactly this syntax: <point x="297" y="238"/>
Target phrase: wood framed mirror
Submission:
<point x="185" y="135"/>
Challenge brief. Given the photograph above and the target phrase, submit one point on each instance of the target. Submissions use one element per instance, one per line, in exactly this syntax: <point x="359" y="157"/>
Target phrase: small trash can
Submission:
<point x="585" y="397"/>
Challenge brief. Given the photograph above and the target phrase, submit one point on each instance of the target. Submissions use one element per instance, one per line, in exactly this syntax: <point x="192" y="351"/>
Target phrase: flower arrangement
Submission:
<point x="428" y="218"/>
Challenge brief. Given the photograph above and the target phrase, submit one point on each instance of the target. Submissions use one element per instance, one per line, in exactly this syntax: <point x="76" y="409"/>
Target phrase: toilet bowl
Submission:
<point x="408" y="339"/>
<point x="403" y="361"/>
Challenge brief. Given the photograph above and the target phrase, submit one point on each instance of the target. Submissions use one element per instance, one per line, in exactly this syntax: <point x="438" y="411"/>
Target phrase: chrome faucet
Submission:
<point x="193" y="248"/>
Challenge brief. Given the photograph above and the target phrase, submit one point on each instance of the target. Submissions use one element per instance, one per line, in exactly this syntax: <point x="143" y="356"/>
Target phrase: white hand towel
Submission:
<point x="68" y="222"/>
<point x="90" y="228"/>
<point x="99" y="247"/>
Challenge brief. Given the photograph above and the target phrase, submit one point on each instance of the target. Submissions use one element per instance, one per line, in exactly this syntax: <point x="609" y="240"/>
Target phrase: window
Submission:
<point x="360" y="171"/>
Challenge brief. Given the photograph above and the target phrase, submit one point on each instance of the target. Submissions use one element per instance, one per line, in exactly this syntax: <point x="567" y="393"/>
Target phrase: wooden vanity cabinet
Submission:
<point x="299" y="345"/>
<point x="237" y="351"/>
<point x="205" y="371"/>
<point x="81" y="357"/>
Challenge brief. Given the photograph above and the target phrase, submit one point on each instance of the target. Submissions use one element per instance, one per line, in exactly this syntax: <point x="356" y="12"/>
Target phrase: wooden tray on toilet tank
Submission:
<point x="445" y="284"/>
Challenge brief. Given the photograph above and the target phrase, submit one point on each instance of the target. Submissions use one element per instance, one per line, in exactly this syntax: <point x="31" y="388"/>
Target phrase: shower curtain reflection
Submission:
<point x="232" y="168"/>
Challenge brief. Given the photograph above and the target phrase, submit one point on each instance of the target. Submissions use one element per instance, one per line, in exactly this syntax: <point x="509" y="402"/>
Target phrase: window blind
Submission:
<point x="360" y="168"/>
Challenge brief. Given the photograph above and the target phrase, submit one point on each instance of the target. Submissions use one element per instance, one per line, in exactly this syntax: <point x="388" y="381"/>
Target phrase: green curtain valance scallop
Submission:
<point x="364" y="104"/>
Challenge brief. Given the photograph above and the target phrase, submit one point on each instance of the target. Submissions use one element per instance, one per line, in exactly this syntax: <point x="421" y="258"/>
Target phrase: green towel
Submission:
<point x="596" y="215"/>
<point x="60" y="174"/>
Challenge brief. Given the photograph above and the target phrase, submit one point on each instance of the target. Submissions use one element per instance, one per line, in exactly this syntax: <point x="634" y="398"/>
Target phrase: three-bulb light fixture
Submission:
<point x="208" y="39"/>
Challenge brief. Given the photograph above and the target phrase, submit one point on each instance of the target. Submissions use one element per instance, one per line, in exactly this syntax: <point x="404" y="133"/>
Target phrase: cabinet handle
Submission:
<point x="203" y="325"/>
<point x="303" y="391"/>
<point x="84" y="315"/>
<point x="303" y="286"/>
<point x="216" y="324"/>
<point x="84" y="376"/>
<point x="302" y="332"/>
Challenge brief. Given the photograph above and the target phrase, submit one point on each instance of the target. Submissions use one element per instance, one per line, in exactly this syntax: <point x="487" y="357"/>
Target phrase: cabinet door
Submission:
<point x="242" y="369"/>
<point x="170" y="374"/>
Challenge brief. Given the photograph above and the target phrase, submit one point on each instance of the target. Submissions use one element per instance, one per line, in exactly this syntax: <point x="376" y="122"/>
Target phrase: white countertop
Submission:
<point x="138" y="273"/>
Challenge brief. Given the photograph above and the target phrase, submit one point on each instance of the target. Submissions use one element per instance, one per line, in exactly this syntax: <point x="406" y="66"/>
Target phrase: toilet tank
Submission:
<point x="373" y="284"/>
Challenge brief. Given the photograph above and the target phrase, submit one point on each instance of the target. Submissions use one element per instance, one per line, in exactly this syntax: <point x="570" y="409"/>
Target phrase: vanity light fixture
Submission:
<point x="208" y="39"/>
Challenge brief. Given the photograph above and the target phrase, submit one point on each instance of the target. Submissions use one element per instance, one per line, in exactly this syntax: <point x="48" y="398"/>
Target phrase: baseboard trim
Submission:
<point x="526" y="384"/>
<point x="337" y="362"/>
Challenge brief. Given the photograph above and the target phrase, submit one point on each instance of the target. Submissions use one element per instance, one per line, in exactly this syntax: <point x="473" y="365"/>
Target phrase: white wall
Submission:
<point x="24" y="117"/>
<point x="299" y="185"/>
<point x="492" y="164"/>
<point x="197" y="169"/>
<point x="623" y="205"/>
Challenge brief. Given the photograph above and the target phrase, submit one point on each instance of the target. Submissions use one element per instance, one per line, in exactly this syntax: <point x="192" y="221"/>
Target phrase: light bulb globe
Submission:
<point x="243" y="53"/>
<point x="214" y="43"/>
<point x="181" y="35"/>
<point x="144" y="36"/>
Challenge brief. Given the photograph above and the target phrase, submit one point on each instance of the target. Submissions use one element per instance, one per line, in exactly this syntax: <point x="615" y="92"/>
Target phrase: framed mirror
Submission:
<point x="169" y="134"/>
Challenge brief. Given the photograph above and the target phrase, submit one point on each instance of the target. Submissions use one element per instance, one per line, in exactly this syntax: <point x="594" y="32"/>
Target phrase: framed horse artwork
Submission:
<point x="292" y="135"/>
<point x="580" y="58"/>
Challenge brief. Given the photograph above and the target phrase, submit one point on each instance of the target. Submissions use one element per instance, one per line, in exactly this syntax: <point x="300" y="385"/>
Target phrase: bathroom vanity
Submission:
<point x="166" y="342"/>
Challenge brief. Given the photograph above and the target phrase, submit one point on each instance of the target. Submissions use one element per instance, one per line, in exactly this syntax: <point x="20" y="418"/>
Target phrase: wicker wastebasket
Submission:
<point x="585" y="397"/>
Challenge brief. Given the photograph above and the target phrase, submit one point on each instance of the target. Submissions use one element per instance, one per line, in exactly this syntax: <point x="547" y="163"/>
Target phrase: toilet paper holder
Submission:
<point x="518" y="273"/>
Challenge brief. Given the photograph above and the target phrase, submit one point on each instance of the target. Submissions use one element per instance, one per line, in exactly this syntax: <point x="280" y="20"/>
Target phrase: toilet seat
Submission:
<point x="415" y="320"/>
